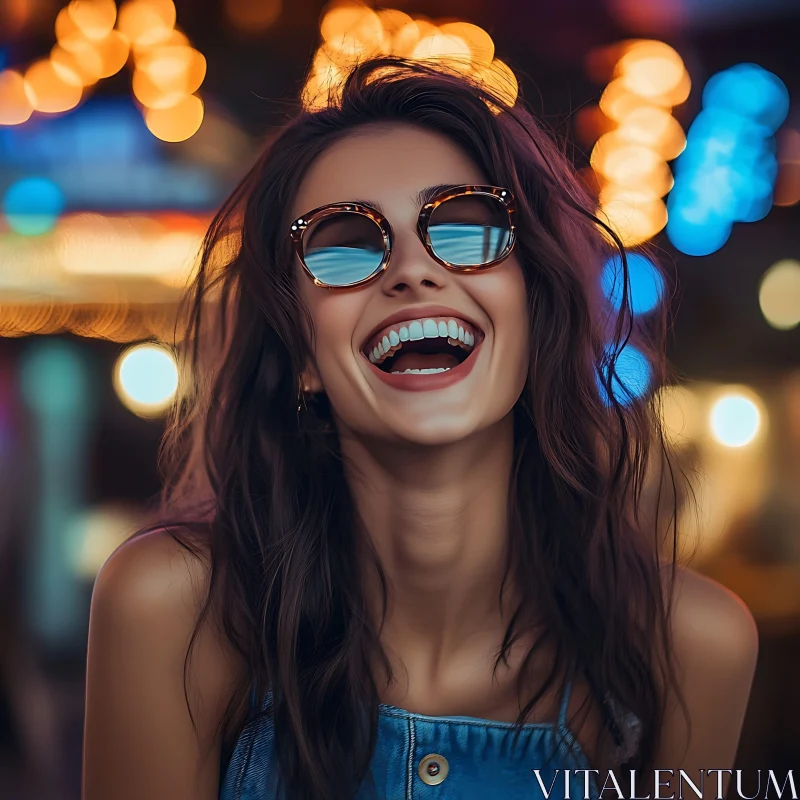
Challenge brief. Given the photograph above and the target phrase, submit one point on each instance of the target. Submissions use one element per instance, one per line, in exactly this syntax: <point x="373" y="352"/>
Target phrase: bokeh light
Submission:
<point x="15" y="106"/>
<point x="639" y="135"/>
<point x="48" y="91"/>
<point x="93" y="18"/>
<point x="645" y="283"/>
<point x="178" y="122"/>
<point x="728" y="170"/>
<point x="31" y="206"/>
<point x="352" y="32"/>
<point x="146" y="379"/>
<point x="679" y="410"/>
<point x="779" y="294"/>
<point x="146" y="22"/>
<point x="653" y="70"/>
<point x="632" y="375"/>
<point x="735" y="418"/>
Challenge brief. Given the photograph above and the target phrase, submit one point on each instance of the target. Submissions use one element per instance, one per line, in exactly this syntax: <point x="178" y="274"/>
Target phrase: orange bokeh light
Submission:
<point x="630" y="165"/>
<point x="352" y="20"/>
<point x="81" y="67"/>
<point x="174" y="69"/>
<point x="448" y="50"/>
<point x="146" y="22"/>
<point x="635" y="215"/>
<point x="114" y="51"/>
<point x="652" y="70"/>
<point x="93" y="18"/>
<point x="499" y="79"/>
<point x="655" y="128"/>
<point x="15" y="106"/>
<point x="150" y="95"/>
<point x="48" y="91"/>
<point x="477" y="39"/>
<point x="178" y="122"/>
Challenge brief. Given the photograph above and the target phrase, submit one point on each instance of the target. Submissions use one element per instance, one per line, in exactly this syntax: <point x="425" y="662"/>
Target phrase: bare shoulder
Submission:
<point x="142" y="739"/>
<point x="711" y="621"/>
<point x="715" y="642"/>
<point x="152" y="573"/>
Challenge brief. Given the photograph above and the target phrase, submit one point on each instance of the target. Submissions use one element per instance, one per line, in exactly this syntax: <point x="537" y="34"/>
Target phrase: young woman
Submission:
<point x="405" y="557"/>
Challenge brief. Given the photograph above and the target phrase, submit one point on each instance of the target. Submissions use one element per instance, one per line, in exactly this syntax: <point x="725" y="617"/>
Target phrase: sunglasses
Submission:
<point x="463" y="228"/>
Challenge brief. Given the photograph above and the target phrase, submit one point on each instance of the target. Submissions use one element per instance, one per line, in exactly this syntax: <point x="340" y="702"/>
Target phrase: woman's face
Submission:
<point x="388" y="166"/>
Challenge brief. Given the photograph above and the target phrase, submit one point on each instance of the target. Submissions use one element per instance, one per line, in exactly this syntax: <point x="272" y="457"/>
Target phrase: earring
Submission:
<point x="301" y="395"/>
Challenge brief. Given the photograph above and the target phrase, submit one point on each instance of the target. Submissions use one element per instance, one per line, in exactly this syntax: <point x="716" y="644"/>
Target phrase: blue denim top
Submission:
<point x="473" y="759"/>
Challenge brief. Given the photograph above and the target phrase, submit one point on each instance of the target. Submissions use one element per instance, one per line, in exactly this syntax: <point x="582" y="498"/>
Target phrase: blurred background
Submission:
<point x="123" y="127"/>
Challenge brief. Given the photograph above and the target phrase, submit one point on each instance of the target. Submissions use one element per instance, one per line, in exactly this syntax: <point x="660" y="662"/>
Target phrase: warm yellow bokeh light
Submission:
<point x="635" y="215"/>
<point x="68" y="34"/>
<point x="48" y="91"/>
<point x="630" y="165"/>
<point x="81" y="67"/>
<point x="150" y="95"/>
<point x="779" y="294"/>
<point x="142" y="49"/>
<point x="449" y="51"/>
<point x="146" y="379"/>
<point x="478" y="40"/>
<point x="654" y="128"/>
<point x="651" y="69"/>
<point x="407" y="38"/>
<point x="323" y="89"/>
<point x="174" y="68"/>
<point x="679" y="409"/>
<point x="500" y="79"/>
<point x="737" y="417"/>
<point x="252" y="16"/>
<point x="617" y="101"/>
<point x="393" y="20"/>
<point x="15" y="106"/>
<point x="114" y="51"/>
<point x="176" y="123"/>
<point x="93" y="18"/>
<point x="146" y="22"/>
<point x="352" y="20"/>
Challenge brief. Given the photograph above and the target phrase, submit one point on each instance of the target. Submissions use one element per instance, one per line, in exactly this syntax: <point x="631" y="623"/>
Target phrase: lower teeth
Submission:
<point x="421" y="371"/>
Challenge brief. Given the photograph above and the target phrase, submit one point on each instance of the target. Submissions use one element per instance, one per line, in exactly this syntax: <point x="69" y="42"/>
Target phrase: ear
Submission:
<point x="310" y="380"/>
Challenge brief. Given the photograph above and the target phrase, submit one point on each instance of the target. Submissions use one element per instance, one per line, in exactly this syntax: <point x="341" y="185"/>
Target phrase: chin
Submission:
<point x="435" y="430"/>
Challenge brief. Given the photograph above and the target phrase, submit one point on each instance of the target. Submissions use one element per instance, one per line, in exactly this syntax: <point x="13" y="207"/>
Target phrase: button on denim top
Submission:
<point x="472" y="759"/>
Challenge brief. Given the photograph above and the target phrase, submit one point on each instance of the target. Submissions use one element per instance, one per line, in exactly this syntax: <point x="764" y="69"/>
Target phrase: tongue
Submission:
<point x="406" y="361"/>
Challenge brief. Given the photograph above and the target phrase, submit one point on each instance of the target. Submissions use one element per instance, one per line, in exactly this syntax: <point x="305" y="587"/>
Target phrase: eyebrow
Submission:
<point x="421" y="198"/>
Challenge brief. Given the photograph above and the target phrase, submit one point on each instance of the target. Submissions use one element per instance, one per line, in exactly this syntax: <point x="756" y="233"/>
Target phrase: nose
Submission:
<point x="411" y="268"/>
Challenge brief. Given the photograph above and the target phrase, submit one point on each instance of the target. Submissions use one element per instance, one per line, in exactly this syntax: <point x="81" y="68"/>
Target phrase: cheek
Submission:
<point x="335" y="316"/>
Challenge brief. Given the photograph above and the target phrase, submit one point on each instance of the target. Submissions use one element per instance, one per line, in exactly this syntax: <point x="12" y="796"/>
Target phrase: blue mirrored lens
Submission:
<point x="343" y="248"/>
<point x="338" y="266"/>
<point x="468" y="245"/>
<point x="469" y="230"/>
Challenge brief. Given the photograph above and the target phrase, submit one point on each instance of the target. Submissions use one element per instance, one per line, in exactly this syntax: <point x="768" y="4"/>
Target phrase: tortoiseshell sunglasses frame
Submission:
<point x="501" y="195"/>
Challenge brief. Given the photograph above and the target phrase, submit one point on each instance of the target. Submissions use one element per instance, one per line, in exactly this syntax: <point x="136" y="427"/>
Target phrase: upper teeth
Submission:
<point x="457" y="332"/>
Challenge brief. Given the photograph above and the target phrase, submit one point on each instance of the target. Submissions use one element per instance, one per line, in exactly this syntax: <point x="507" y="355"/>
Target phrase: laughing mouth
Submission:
<point x="422" y="346"/>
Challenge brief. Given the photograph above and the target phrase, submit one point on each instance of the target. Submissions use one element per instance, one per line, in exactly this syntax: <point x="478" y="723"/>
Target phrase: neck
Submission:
<point x="437" y="518"/>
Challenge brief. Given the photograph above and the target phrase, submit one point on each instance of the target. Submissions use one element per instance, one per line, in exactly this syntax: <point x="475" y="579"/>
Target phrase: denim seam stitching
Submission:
<point x="410" y="769"/>
<point x="245" y="761"/>
<point x="547" y="726"/>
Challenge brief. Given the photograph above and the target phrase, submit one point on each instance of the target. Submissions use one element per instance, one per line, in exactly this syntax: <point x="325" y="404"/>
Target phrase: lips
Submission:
<point x="420" y="382"/>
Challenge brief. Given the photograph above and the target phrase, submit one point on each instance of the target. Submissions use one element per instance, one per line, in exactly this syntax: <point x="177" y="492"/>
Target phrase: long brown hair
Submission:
<point x="258" y="488"/>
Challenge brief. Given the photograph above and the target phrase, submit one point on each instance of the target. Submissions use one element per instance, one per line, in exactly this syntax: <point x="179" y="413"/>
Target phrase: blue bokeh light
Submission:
<point x="646" y="282"/>
<point x="632" y="375"/>
<point x="32" y="206"/>
<point x="727" y="172"/>
<point x="749" y="91"/>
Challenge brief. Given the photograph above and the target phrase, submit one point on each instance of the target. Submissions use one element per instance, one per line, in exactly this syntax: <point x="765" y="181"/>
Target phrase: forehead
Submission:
<point x="388" y="164"/>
